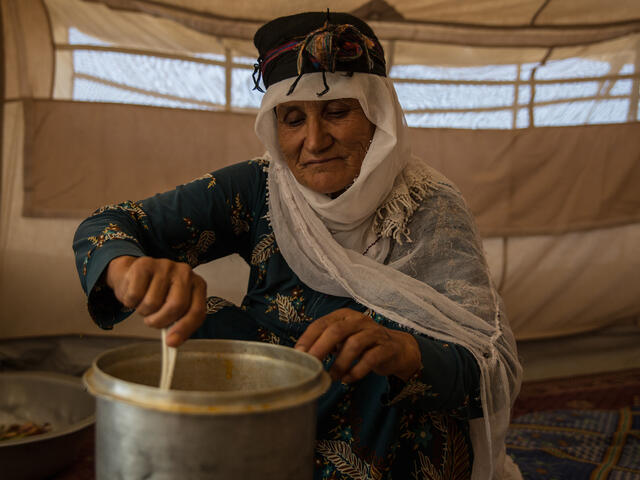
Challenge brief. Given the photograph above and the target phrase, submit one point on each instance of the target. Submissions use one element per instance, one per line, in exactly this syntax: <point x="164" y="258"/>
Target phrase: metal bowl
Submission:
<point x="43" y="397"/>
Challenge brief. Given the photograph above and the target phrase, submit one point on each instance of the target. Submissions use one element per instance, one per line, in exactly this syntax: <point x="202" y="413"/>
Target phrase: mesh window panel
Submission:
<point x="173" y="77"/>
<point x="581" y="89"/>
<point x="456" y="97"/>
<point x="501" y="119"/>
<point x="242" y="93"/>
<point x="90" y="91"/>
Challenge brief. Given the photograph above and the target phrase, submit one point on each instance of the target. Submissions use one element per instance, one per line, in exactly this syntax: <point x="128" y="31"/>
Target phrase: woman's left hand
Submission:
<point x="361" y="346"/>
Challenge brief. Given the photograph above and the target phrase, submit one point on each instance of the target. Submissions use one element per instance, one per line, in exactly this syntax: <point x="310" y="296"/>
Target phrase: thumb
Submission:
<point x="117" y="271"/>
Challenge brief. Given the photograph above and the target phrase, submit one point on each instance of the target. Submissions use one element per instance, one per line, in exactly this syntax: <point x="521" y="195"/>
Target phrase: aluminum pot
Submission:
<point x="236" y="410"/>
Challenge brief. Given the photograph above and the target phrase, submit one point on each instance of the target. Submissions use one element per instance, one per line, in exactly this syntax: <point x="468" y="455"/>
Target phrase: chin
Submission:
<point x="328" y="189"/>
<point x="328" y="185"/>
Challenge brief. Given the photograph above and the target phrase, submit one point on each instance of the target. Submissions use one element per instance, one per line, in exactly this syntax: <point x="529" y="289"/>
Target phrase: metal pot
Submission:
<point x="236" y="410"/>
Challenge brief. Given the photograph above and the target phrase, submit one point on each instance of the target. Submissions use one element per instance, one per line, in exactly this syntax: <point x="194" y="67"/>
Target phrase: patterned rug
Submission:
<point x="578" y="428"/>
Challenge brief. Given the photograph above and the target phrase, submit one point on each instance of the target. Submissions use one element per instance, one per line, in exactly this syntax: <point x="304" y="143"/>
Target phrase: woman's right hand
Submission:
<point x="164" y="292"/>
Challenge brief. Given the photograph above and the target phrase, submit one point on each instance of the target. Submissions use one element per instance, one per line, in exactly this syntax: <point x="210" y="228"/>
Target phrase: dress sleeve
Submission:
<point x="448" y="381"/>
<point x="195" y="223"/>
<point x="446" y="253"/>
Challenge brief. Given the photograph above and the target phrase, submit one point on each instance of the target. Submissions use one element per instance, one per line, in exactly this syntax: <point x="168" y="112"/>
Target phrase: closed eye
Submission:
<point x="293" y="119"/>
<point x="294" y="122"/>
<point x="338" y="113"/>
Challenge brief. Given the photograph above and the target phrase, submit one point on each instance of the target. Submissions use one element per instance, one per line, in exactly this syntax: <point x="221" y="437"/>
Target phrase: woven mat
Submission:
<point x="584" y="427"/>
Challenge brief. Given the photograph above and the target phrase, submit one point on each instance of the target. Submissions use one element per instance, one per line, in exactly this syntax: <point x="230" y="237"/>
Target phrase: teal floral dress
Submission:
<point x="376" y="428"/>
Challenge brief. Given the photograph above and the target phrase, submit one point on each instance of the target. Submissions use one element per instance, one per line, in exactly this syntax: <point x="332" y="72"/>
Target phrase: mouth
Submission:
<point x="317" y="161"/>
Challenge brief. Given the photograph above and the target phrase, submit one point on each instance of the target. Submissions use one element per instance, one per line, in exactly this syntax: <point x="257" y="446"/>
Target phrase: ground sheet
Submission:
<point x="584" y="427"/>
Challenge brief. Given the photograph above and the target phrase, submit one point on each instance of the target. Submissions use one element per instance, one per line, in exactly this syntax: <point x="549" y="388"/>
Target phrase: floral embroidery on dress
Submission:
<point x="455" y="461"/>
<point x="199" y="243"/>
<point x="414" y="388"/>
<point x="416" y="428"/>
<point x="469" y="402"/>
<point x="286" y="311"/>
<point x="207" y="176"/>
<point x="261" y="253"/>
<point x="264" y="249"/>
<point x="110" y="232"/>
<point x="290" y="308"/>
<point x="215" y="304"/>
<point x="267" y="336"/>
<point x="340" y="456"/>
<point x="425" y="468"/>
<point x="262" y="161"/>
<point x="342" y="429"/>
<point x="134" y="209"/>
<point x="240" y="218"/>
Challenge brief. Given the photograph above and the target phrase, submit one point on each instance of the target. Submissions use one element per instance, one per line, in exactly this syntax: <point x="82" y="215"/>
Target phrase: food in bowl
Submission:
<point x="21" y="430"/>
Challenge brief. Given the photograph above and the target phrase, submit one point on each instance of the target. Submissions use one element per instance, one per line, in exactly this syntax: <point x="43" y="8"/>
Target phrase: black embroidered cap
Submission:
<point x="315" y="42"/>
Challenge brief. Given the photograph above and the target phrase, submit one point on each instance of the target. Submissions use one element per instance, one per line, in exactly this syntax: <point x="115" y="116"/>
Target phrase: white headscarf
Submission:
<point x="323" y="239"/>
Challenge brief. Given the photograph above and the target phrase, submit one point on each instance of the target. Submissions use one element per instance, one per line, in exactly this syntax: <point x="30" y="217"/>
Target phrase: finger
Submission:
<point x="117" y="269"/>
<point x="352" y="349"/>
<point x="175" y="305"/>
<point x="155" y="296"/>
<point x="318" y="326"/>
<point x="311" y="334"/>
<point x="191" y="321"/>
<point x="332" y="336"/>
<point x="375" y="360"/>
<point x="135" y="283"/>
<point x="408" y="359"/>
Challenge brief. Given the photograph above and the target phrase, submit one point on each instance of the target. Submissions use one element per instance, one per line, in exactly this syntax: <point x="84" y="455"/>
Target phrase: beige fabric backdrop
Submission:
<point x="552" y="284"/>
<point x="557" y="285"/>
<point x="542" y="180"/>
<point x="483" y="12"/>
<point x="40" y="293"/>
<point x="28" y="49"/>
<point x="463" y="22"/>
<point x="517" y="182"/>
<point x="107" y="153"/>
<point x="554" y="179"/>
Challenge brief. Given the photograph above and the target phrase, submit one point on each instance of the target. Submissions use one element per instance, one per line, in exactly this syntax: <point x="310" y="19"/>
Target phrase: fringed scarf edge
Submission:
<point x="392" y="218"/>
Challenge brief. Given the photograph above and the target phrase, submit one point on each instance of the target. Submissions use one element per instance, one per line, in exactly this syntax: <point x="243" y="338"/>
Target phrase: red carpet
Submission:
<point x="606" y="391"/>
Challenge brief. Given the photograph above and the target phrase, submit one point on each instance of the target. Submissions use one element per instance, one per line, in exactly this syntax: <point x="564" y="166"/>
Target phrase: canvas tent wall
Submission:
<point x="531" y="107"/>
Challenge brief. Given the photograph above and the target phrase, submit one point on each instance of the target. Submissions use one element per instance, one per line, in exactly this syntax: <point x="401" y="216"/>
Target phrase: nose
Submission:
<point x="318" y="138"/>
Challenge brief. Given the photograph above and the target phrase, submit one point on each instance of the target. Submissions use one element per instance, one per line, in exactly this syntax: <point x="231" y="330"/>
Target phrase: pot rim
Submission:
<point x="105" y="386"/>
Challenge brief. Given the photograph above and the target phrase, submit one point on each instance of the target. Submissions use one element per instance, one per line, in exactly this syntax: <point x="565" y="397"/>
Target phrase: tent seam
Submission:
<point x="544" y="5"/>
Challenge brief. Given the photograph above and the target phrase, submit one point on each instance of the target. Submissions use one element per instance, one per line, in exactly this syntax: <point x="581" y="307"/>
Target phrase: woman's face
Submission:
<point x="324" y="142"/>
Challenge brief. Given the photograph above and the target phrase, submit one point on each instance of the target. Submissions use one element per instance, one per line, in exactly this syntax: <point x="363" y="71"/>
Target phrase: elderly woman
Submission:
<point x="360" y="254"/>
